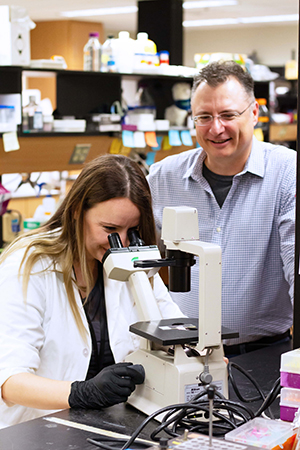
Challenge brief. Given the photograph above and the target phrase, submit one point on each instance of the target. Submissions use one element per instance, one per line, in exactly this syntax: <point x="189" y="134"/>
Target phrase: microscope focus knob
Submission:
<point x="205" y="377"/>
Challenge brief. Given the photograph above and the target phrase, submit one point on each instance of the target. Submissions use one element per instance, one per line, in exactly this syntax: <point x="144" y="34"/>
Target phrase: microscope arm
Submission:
<point x="210" y="281"/>
<point x="118" y="264"/>
<point x="142" y="292"/>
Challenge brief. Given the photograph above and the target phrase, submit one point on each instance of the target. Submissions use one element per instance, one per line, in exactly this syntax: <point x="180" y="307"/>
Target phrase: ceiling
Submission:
<point x="41" y="10"/>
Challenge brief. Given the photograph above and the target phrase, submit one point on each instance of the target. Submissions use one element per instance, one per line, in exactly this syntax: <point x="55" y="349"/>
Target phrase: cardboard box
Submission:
<point x="15" y="26"/>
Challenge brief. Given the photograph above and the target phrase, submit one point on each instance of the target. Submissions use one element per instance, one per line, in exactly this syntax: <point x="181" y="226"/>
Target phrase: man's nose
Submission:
<point x="216" y="125"/>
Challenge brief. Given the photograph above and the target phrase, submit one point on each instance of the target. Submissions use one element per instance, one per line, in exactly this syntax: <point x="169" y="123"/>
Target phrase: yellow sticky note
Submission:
<point x="10" y="141"/>
<point x="166" y="143"/>
<point x="115" y="146"/>
<point x="125" y="150"/>
<point x="258" y="133"/>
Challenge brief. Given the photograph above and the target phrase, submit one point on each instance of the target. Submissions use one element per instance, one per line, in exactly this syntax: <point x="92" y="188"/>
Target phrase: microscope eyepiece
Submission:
<point x="115" y="240"/>
<point x="134" y="238"/>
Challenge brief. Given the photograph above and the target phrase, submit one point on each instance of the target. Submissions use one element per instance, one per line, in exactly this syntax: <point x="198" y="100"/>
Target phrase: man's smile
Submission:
<point x="220" y="141"/>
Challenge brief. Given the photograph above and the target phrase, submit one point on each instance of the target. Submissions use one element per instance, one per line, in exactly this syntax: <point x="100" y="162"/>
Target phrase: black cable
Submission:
<point x="267" y="400"/>
<point x="250" y="378"/>
<point x="228" y="414"/>
<point x="270" y="398"/>
<point x="190" y="409"/>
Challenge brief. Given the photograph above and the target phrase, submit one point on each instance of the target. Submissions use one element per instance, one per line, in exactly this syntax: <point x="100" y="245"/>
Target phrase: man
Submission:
<point x="244" y="191"/>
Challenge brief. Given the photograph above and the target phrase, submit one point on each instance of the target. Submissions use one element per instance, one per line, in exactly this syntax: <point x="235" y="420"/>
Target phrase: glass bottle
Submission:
<point x="32" y="116"/>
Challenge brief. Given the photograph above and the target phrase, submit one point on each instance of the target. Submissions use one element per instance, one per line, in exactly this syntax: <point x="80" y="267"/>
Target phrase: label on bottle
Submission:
<point x="92" y="59"/>
<point x="263" y="119"/>
<point x="38" y="120"/>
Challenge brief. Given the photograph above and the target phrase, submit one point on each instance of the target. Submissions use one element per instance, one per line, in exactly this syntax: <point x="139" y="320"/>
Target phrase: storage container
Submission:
<point x="263" y="433"/>
<point x="290" y="369"/>
<point x="289" y="403"/>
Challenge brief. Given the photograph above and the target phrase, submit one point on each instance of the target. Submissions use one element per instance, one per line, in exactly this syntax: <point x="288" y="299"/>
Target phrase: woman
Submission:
<point x="51" y="337"/>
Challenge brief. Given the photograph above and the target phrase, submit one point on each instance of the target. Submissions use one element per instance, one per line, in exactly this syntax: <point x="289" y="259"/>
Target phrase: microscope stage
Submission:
<point x="174" y="331"/>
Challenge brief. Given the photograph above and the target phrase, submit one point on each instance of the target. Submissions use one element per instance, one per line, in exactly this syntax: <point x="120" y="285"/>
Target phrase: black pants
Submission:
<point x="246" y="347"/>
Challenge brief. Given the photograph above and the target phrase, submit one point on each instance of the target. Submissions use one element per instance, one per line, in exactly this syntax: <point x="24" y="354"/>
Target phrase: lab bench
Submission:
<point x="69" y="429"/>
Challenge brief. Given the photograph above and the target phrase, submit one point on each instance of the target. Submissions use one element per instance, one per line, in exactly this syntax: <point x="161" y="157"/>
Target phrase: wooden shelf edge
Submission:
<point x="38" y="154"/>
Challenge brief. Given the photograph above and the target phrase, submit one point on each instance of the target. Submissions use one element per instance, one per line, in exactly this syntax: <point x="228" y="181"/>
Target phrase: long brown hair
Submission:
<point x="104" y="178"/>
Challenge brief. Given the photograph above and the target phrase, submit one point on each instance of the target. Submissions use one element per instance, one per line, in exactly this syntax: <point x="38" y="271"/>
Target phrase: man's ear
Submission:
<point x="255" y="113"/>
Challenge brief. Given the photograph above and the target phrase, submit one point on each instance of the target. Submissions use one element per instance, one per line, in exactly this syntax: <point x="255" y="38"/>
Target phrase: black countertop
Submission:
<point x="67" y="430"/>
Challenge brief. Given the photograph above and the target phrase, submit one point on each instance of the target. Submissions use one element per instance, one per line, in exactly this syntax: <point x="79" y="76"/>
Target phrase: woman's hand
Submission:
<point x="112" y="385"/>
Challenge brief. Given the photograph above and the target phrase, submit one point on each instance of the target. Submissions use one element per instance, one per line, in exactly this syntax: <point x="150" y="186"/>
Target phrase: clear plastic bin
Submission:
<point x="290" y="369"/>
<point x="261" y="433"/>
<point x="289" y="403"/>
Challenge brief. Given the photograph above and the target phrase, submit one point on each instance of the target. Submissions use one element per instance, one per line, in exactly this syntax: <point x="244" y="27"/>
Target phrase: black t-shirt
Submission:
<point x="96" y="315"/>
<point x="220" y="184"/>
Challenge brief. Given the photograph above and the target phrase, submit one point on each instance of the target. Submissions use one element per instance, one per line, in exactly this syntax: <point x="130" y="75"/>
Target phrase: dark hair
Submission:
<point x="218" y="72"/>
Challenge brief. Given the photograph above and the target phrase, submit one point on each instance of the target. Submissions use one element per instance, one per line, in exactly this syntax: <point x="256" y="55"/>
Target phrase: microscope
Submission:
<point x="180" y="355"/>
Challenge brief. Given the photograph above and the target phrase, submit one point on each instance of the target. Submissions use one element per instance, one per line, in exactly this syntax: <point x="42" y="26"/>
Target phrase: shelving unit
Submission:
<point x="262" y="90"/>
<point x="77" y="93"/>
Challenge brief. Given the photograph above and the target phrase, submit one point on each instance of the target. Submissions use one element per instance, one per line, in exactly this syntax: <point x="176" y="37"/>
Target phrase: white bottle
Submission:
<point x="140" y="60"/>
<point x="44" y="211"/>
<point x="92" y="53"/>
<point x="145" y="56"/>
<point x="108" y="61"/>
<point x="124" y="53"/>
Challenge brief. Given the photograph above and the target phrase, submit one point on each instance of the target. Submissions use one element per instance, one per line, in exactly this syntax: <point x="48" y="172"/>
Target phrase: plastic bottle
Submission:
<point x="44" y="211"/>
<point x="145" y="55"/>
<point x="108" y="61"/>
<point x="92" y="53"/>
<point x="32" y="116"/>
<point x="12" y="224"/>
<point x="291" y="68"/>
<point x="164" y="58"/>
<point x="263" y="115"/>
<point x="124" y="47"/>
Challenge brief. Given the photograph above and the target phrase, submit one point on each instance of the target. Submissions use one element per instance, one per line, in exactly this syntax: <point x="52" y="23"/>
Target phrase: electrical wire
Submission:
<point x="190" y="413"/>
<point x="193" y="415"/>
<point x="267" y="400"/>
<point x="247" y="375"/>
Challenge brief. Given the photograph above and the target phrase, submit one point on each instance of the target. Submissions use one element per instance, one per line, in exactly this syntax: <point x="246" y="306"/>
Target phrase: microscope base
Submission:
<point x="171" y="380"/>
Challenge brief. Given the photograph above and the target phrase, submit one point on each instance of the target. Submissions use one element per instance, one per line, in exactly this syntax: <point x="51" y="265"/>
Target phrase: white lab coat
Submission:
<point x="40" y="335"/>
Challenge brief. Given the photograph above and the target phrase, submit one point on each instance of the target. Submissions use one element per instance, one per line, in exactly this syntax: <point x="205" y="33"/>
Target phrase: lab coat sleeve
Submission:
<point x="167" y="306"/>
<point x="21" y="322"/>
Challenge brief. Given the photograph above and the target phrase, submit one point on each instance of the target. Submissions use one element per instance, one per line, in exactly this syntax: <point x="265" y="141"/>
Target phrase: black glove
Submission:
<point x="112" y="385"/>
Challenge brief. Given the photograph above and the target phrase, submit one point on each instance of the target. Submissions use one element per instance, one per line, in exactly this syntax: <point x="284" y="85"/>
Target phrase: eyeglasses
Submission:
<point x="224" y="118"/>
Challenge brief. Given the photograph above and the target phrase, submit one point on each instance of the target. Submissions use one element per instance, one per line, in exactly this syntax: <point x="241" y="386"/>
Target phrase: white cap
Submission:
<point x="123" y="35"/>
<point x="142" y="36"/>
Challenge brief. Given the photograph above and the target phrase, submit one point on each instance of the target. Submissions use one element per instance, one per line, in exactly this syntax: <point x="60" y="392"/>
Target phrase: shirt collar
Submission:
<point x="195" y="169"/>
<point x="254" y="163"/>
